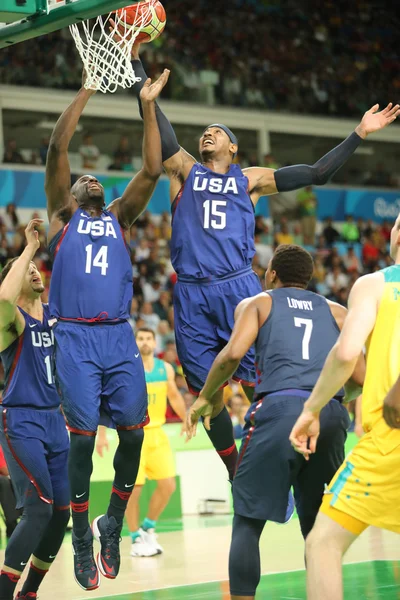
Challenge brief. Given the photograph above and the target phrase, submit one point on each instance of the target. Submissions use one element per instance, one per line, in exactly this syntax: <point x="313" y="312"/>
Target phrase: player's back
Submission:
<point x="157" y="385"/>
<point x="28" y="365"/>
<point x="212" y="224"/>
<point x="92" y="271"/>
<point x="383" y="360"/>
<point x="293" y="343"/>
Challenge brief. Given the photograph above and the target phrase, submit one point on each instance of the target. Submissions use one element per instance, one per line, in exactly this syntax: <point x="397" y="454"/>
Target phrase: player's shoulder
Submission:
<point x="372" y="283"/>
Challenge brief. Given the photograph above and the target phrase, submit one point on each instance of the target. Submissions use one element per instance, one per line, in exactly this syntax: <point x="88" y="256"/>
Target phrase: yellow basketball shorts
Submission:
<point x="157" y="460"/>
<point x="366" y="489"/>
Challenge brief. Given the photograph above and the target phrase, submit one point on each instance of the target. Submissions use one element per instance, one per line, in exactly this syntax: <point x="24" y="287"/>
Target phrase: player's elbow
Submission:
<point x="345" y="354"/>
<point x="233" y="353"/>
<point x="319" y="176"/>
<point x="152" y="172"/>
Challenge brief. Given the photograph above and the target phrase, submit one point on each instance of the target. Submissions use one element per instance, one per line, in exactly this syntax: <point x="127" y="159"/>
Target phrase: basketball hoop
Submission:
<point x="105" y="46"/>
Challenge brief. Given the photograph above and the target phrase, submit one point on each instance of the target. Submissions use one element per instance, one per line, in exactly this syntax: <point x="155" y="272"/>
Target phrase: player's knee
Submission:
<point x="82" y="447"/>
<point x="131" y="439"/>
<point x="315" y="540"/>
<point x="61" y="517"/>
<point x="167" y="486"/>
<point x="38" y="512"/>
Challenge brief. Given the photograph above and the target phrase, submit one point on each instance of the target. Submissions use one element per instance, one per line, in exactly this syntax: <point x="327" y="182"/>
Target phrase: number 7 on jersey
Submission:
<point x="305" y="346"/>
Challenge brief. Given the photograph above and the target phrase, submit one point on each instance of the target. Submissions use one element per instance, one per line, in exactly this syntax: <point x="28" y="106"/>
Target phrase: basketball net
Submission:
<point x="105" y="49"/>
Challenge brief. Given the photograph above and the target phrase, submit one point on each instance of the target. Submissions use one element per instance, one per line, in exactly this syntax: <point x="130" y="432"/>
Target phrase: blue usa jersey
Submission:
<point x="28" y="366"/>
<point x="212" y="224"/>
<point x="92" y="271"/>
<point x="293" y="343"/>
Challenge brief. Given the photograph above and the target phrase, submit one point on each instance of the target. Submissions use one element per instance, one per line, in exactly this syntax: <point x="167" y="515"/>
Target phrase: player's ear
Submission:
<point x="233" y="148"/>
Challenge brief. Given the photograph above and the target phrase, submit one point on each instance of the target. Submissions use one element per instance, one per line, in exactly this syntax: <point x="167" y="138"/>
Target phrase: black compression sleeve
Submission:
<point x="298" y="176"/>
<point x="169" y="142"/>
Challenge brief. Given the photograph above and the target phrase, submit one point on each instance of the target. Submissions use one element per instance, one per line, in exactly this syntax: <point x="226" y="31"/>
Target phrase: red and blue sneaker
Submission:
<point x="107" y="531"/>
<point x="28" y="596"/>
<point x="85" y="570"/>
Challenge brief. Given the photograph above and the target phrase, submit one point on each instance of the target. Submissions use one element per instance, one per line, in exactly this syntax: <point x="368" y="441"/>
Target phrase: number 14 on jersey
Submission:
<point x="99" y="261"/>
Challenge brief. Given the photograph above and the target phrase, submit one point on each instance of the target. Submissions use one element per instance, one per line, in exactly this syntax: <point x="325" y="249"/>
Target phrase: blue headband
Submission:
<point x="228" y="132"/>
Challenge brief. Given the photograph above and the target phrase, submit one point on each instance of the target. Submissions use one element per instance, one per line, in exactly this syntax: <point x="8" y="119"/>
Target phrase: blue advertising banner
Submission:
<point x="25" y="189"/>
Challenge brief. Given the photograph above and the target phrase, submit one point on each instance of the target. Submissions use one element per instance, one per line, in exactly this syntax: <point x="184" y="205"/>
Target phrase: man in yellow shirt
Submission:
<point x="157" y="460"/>
<point x="366" y="489"/>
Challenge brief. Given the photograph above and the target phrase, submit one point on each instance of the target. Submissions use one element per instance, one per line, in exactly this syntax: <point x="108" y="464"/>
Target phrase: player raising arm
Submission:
<point x="32" y="428"/>
<point x="97" y="361"/>
<point x="366" y="489"/>
<point x="293" y="331"/>
<point x="212" y="244"/>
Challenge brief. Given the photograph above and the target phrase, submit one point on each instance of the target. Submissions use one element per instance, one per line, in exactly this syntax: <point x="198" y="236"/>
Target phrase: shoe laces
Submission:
<point x="113" y="538"/>
<point x="84" y="555"/>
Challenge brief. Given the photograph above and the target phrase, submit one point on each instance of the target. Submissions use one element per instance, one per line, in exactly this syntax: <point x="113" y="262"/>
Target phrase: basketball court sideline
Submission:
<point x="195" y="566"/>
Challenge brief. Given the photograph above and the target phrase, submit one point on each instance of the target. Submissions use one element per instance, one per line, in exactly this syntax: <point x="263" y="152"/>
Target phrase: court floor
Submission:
<point x="194" y="566"/>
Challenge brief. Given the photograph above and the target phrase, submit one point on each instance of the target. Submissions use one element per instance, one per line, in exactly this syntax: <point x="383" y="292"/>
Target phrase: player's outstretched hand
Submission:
<point x="200" y="408"/>
<point x="375" y="121"/>
<point x="31" y="233"/>
<point x="305" y="433"/>
<point x="391" y="409"/>
<point x="151" y="91"/>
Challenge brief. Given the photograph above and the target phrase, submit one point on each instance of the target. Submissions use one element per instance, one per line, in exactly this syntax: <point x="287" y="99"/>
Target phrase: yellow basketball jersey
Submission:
<point x="383" y="362"/>
<point x="157" y="385"/>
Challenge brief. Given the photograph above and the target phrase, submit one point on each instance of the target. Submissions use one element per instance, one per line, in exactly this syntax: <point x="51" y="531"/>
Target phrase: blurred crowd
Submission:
<point x="341" y="253"/>
<point x="304" y="57"/>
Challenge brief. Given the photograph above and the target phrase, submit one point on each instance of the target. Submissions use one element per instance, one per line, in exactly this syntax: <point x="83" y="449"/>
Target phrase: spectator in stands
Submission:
<point x="350" y="231"/>
<point x="161" y="306"/>
<point x="335" y="280"/>
<point x="89" y="152"/>
<point x="149" y="317"/>
<point x="270" y="162"/>
<point x="283" y="236"/>
<point x="142" y="250"/>
<point x="307" y="203"/>
<point x="264" y="252"/>
<point x="11" y="154"/>
<point x="10" y="218"/>
<point x="330" y="234"/>
<point x="386" y="230"/>
<point x="152" y="290"/>
<point x="116" y="165"/>
<point x="351" y="261"/>
<point x="123" y="154"/>
<point x="370" y="253"/>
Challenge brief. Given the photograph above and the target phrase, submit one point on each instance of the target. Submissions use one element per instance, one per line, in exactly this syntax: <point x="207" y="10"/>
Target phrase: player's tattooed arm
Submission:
<point x="58" y="172"/>
<point x="12" y="323"/>
<point x="139" y="191"/>
<point x="264" y="182"/>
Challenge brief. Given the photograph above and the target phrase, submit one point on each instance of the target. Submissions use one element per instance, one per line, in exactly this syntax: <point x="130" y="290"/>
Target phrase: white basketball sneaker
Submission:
<point x="151" y="540"/>
<point x="142" y="546"/>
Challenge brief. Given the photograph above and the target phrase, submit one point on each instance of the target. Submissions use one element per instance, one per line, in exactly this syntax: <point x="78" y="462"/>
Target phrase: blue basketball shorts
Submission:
<point x="99" y="371"/>
<point x="268" y="466"/>
<point x="204" y="319"/>
<point x="35" y="445"/>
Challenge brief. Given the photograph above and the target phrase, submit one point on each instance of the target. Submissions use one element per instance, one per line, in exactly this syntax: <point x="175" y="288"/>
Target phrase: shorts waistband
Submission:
<point x="211" y="280"/>
<point x="293" y="392"/>
<point x="91" y="322"/>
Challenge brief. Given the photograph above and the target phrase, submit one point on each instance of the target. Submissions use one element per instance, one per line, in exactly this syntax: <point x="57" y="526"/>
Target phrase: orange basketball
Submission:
<point x="149" y="18"/>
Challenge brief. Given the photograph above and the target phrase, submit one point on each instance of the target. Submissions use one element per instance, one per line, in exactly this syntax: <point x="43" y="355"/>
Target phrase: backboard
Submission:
<point x="48" y="16"/>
